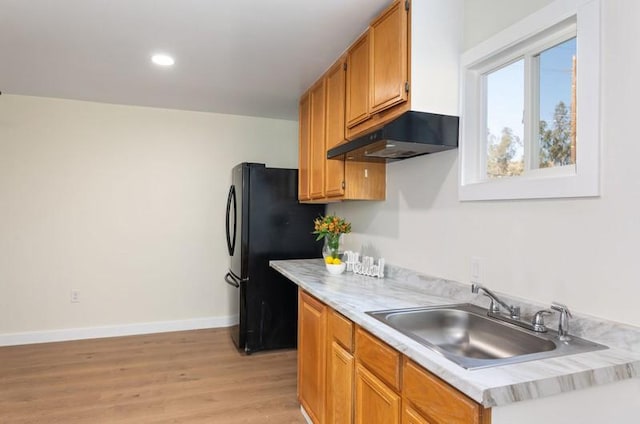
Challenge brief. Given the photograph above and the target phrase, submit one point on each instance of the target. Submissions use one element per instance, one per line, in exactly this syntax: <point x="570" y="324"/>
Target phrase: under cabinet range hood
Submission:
<point x="411" y="134"/>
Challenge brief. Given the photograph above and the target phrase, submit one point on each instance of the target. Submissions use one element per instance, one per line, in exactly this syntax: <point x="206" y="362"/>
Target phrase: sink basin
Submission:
<point x="465" y="335"/>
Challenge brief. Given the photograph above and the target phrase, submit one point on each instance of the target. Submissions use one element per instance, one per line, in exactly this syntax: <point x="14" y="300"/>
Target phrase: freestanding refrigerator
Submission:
<point x="265" y="221"/>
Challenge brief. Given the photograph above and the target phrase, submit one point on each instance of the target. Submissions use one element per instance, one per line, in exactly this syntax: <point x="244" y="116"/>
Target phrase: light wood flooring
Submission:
<point x="182" y="377"/>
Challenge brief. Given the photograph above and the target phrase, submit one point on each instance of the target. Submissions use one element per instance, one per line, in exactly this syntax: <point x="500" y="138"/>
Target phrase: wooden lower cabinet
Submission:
<point x="380" y="358"/>
<point x="347" y="375"/>
<point x="436" y="400"/>
<point x="312" y="328"/>
<point x="340" y="369"/>
<point x="340" y="385"/>
<point x="376" y="403"/>
<point x="411" y="416"/>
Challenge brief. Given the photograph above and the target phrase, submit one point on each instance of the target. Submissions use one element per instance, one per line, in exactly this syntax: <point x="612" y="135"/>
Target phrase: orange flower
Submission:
<point x="330" y="225"/>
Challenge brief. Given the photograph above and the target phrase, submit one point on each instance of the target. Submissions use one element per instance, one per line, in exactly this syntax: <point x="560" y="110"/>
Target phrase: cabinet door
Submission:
<point x="365" y="180"/>
<point x="304" y="147"/>
<point x="376" y="403"/>
<point x="340" y="385"/>
<point x="311" y="356"/>
<point x="411" y="416"/>
<point x="335" y="80"/>
<point x="318" y="150"/>
<point x="357" y="100"/>
<point x="389" y="58"/>
<point x="436" y="399"/>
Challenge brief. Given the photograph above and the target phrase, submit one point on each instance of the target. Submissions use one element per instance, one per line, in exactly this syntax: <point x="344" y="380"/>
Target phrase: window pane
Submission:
<point x="505" y="127"/>
<point x="556" y="134"/>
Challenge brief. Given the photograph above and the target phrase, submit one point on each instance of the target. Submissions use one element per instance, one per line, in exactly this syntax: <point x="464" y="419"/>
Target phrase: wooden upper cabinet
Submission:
<point x="387" y="78"/>
<point x="335" y="104"/>
<point x="346" y="103"/>
<point x="358" y="80"/>
<point x="389" y="57"/>
<point x="318" y="157"/>
<point x="304" y="151"/>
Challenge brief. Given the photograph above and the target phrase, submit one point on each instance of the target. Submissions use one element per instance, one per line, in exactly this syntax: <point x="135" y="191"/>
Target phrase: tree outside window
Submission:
<point x="555" y="136"/>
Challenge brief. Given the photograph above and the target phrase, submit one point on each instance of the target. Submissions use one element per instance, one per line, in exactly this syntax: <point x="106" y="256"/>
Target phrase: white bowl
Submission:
<point x="336" y="269"/>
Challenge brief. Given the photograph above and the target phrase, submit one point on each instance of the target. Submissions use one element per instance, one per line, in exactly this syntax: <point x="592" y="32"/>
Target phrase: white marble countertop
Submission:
<point x="353" y="295"/>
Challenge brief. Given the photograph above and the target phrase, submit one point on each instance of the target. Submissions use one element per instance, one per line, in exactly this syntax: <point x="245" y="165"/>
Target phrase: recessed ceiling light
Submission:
<point x="162" y="60"/>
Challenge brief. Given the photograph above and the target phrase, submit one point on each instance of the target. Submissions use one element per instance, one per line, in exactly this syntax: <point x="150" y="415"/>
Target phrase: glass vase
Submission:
<point x="332" y="246"/>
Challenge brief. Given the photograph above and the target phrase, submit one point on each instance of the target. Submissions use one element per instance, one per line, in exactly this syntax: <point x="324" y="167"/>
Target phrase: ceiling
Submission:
<point x="246" y="57"/>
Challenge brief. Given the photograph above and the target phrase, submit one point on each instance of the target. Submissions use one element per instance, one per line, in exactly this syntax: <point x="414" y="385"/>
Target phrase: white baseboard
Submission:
<point x="13" y="339"/>
<point x="305" y="415"/>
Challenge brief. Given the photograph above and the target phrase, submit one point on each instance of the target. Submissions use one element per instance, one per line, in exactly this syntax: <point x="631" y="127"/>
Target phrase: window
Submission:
<point x="530" y="121"/>
<point x="554" y="137"/>
<point x="504" y="152"/>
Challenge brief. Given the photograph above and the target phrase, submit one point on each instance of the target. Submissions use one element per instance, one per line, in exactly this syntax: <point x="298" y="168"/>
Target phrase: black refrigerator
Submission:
<point x="265" y="221"/>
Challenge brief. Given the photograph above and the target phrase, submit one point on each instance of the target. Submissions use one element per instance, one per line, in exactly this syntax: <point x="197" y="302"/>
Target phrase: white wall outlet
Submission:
<point x="476" y="269"/>
<point x="75" y="296"/>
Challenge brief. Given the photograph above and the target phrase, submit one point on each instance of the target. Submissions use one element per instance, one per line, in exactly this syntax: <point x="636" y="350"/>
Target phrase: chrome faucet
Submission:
<point x="536" y="324"/>
<point x="514" y="311"/>
<point x="538" y="321"/>
<point x="563" y="321"/>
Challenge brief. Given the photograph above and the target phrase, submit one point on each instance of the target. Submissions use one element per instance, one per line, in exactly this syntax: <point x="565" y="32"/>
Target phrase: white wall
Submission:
<point x="611" y="403"/>
<point x="582" y="252"/>
<point x="125" y="204"/>
<point x="435" y="28"/>
<point x="484" y="18"/>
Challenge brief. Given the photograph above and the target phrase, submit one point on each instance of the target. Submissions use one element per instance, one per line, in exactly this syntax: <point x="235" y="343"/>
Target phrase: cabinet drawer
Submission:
<point x="440" y="403"/>
<point x="378" y="357"/>
<point x="341" y="329"/>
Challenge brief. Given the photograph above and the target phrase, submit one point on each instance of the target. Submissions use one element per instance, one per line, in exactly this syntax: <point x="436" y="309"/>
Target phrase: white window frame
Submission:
<point x="555" y="23"/>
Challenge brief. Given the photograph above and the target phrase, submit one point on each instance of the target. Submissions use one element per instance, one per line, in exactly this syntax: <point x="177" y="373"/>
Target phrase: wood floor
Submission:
<point x="181" y="377"/>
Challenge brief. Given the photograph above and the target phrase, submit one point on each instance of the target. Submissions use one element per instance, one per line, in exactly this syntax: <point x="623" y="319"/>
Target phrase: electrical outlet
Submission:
<point x="75" y="296"/>
<point x="476" y="269"/>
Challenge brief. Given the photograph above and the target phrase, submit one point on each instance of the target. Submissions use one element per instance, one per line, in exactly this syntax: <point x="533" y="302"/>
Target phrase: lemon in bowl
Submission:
<point x="334" y="265"/>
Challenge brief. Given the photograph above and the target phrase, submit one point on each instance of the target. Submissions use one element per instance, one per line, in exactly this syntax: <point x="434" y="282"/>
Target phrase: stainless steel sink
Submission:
<point x="465" y="335"/>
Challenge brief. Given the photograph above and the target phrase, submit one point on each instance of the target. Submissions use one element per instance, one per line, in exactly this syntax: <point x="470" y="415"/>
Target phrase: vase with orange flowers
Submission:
<point x="330" y="228"/>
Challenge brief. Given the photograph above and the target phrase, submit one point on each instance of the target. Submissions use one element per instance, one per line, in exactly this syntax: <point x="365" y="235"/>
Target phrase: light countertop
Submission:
<point x="354" y="295"/>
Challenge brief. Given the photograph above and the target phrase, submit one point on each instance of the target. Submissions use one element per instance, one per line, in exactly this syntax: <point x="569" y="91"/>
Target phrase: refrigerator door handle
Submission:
<point x="231" y="241"/>
<point x="231" y="280"/>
